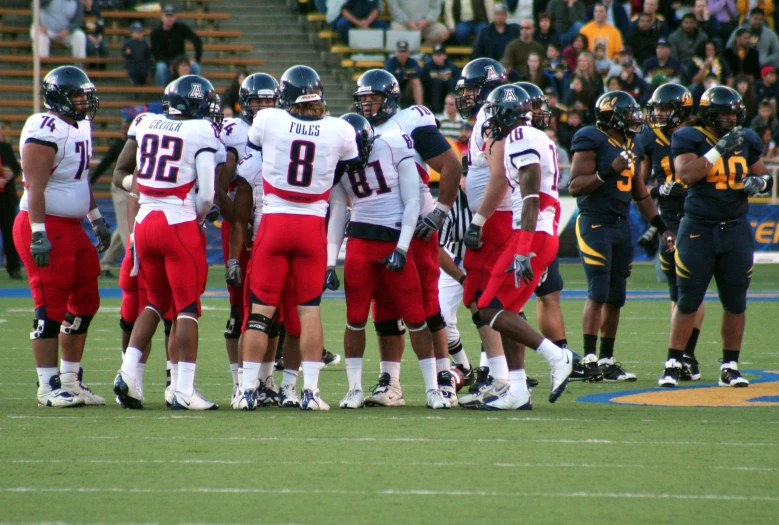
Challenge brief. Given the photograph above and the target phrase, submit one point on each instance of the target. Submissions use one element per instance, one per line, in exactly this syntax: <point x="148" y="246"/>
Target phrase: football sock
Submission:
<point x="354" y="372"/>
<point x="130" y="362"/>
<point x="675" y="354"/>
<point x="442" y="365"/>
<point x="590" y="344"/>
<point x="458" y="355"/>
<point x="139" y="377"/>
<point x="310" y="375"/>
<point x="234" y="372"/>
<point x="174" y="376"/>
<point x="251" y="373"/>
<point x="266" y="369"/>
<point x="428" y="373"/>
<point x="562" y="343"/>
<point x="167" y="366"/>
<point x="240" y="376"/>
<point x="45" y="374"/>
<point x="290" y="378"/>
<point x="606" y="347"/>
<point x="69" y="367"/>
<point x="549" y="351"/>
<point x="518" y="382"/>
<point x="392" y="368"/>
<point x="692" y="342"/>
<point x="730" y="355"/>
<point x="499" y="369"/>
<point x="483" y="358"/>
<point x="186" y="382"/>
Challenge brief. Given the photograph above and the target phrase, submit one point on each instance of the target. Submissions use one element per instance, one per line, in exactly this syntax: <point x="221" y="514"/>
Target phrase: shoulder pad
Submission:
<point x="587" y="138"/>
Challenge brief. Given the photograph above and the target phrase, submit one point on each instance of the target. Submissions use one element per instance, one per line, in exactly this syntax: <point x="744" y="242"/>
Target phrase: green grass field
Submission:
<point x="562" y="463"/>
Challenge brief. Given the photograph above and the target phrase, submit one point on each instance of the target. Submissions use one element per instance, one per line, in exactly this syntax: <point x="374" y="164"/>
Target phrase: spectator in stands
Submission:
<point x="419" y="15"/>
<point x="743" y="84"/>
<point x="585" y="70"/>
<point x="179" y="68"/>
<point x="602" y="64"/>
<point x="344" y="15"/>
<point x="554" y="56"/>
<point x="517" y="51"/>
<point x="579" y="44"/>
<point x="707" y="61"/>
<point x="559" y="80"/>
<point x="407" y="73"/>
<point x="746" y="7"/>
<point x="553" y="105"/>
<point x="94" y="28"/>
<point x="566" y="130"/>
<point x="766" y="117"/>
<point x="706" y="22"/>
<point x="762" y="38"/>
<point x="450" y="121"/>
<point x="546" y="34"/>
<point x="230" y="105"/>
<point x="741" y="56"/>
<point x="168" y="43"/>
<point x="599" y="30"/>
<point x="534" y="71"/>
<point x="466" y="17"/>
<point x="615" y="84"/>
<point x="686" y="39"/>
<point x="770" y="150"/>
<point x="137" y="55"/>
<point x="464" y="137"/>
<point x="518" y="10"/>
<point x="61" y="21"/>
<point x="9" y="170"/>
<point x="568" y="17"/>
<point x="563" y="159"/>
<point x="657" y="21"/>
<point x="663" y="63"/>
<point x="634" y="84"/>
<point x="766" y="88"/>
<point x="491" y="41"/>
<point x="439" y="75"/>
<point x="626" y="53"/>
<point x="643" y="38"/>
<point x="581" y="99"/>
<point x="616" y="15"/>
<point x="725" y="12"/>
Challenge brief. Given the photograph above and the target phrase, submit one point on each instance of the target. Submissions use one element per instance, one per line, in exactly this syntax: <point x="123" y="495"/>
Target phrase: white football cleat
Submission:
<point x="385" y="394"/>
<point x="244" y="400"/>
<point x="446" y="386"/>
<point x="124" y="387"/>
<point x="169" y="396"/>
<point x="71" y="383"/>
<point x="53" y="396"/>
<point x="194" y="402"/>
<point x="312" y="401"/>
<point x="508" y="401"/>
<point x="478" y="392"/>
<point x="288" y="397"/>
<point x="354" y="399"/>
<point x="559" y="373"/>
<point x="435" y="400"/>
<point x="671" y="373"/>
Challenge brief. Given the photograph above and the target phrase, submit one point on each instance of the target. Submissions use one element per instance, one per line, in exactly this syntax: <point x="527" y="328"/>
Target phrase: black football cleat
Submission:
<point x="586" y="369"/>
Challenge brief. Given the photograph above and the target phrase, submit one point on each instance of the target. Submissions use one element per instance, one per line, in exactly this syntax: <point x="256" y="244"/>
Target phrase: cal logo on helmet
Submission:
<point x="706" y="99"/>
<point x="196" y="91"/>
<point x="608" y="104"/>
<point x="509" y="96"/>
<point x="686" y="100"/>
<point x="491" y="74"/>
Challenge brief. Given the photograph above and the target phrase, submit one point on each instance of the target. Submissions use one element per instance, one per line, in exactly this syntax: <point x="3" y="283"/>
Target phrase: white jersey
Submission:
<point x="249" y="170"/>
<point x="524" y="146"/>
<point x="406" y="121"/>
<point x="166" y="164"/>
<point x="479" y="169"/>
<point x="234" y="134"/>
<point x="67" y="192"/>
<point x="375" y="190"/>
<point x="299" y="158"/>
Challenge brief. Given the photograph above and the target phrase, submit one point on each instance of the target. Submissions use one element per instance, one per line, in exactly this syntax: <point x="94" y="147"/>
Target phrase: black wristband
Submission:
<point x="654" y="192"/>
<point x="659" y="223"/>
<point x="461" y="280"/>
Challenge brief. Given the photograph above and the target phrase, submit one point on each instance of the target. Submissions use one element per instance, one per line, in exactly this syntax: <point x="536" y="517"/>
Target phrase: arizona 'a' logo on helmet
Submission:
<point x="509" y="96"/>
<point x="477" y="80"/>
<point x="490" y="72"/>
<point x="195" y="90"/>
<point x="670" y="106"/>
<point x="619" y="111"/>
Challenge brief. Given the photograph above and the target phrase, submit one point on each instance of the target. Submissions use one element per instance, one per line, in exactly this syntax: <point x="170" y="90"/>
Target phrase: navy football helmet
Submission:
<point x="190" y="95"/>
<point x="541" y="114"/>
<point x="619" y="111"/>
<point x="720" y="100"/>
<point x="506" y="108"/>
<point x="299" y="85"/>
<point x="61" y="84"/>
<point x="364" y="132"/>
<point x="257" y="86"/>
<point x="482" y="76"/>
<point x="675" y="101"/>
<point x="377" y="81"/>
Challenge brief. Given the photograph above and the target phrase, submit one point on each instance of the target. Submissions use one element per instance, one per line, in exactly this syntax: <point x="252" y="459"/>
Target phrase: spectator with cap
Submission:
<point x="626" y="53"/>
<point x="94" y="28"/>
<point x="491" y="41"/>
<point x="657" y="21"/>
<point x="599" y="30"/>
<point x="344" y="15"/>
<point x="741" y="56"/>
<point x="61" y="21"/>
<point x="439" y="76"/>
<point x="643" y="38"/>
<point x="419" y="15"/>
<point x="9" y="201"/>
<point x="546" y="34"/>
<point x="137" y="55"/>
<point x="766" y="88"/>
<point x="407" y="72"/>
<point x="634" y="84"/>
<point x="762" y="38"/>
<point x="168" y="43"/>
<point x="515" y="57"/>
<point x="568" y="17"/>
<point x="467" y="17"/>
<point x="686" y="39"/>
<point x="450" y="120"/>
<point x="663" y="63"/>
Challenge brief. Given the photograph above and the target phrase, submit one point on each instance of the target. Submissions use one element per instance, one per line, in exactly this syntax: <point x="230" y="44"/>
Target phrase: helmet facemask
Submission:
<point x="82" y="109"/>
<point x="628" y="120"/>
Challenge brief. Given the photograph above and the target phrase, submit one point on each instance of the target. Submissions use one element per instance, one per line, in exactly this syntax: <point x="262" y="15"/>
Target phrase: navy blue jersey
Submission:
<point x="612" y="198"/>
<point x="719" y="196"/>
<point x="658" y="148"/>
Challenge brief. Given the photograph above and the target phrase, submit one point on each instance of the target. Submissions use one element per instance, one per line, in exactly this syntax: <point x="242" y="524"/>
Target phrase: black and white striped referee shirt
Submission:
<point x="453" y="231"/>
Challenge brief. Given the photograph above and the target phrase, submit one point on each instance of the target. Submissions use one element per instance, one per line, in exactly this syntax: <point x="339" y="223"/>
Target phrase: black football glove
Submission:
<point x="521" y="269"/>
<point x="331" y="279"/>
<point x="103" y="234"/>
<point x="671" y="189"/>
<point x="233" y="272"/>
<point x="756" y="185"/>
<point x="40" y="249"/>
<point x="430" y="224"/>
<point x="648" y="242"/>
<point x="472" y="238"/>
<point x="213" y="214"/>
<point x="730" y="141"/>
<point x="395" y="261"/>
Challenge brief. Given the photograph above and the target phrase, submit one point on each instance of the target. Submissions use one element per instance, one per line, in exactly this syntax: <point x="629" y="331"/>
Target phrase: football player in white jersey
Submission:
<point x="529" y="161"/>
<point x="301" y="147"/>
<point x="376" y="98"/>
<point x="62" y="265"/>
<point x="385" y="208"/>
<point x="176" y="162"/>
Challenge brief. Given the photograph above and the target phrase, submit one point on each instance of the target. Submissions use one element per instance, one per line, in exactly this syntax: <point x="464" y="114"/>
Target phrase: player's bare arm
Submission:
<point x="450" y="168"/>
<point x="205" y="176"/>
<point x="584" y="180"/>
<point x="38" y="161"/>
<point x="125" y="165"/>
<point x="242" y="208"/>
<point x="224" y="174"/>
<point x="530" y="186"/>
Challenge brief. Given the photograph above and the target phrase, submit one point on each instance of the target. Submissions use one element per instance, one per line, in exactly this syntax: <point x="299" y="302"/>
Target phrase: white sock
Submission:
<point x="310" y="375"/>
<point x="290" y="378"/>
<point x="251" y="374"/>
<point x="132" y="356"/>
<point x="518" y="382"/>
<point x="499" y="369"/>
<point x="428" y="373"/>
<point x="483" y="359"/>
<point x="139" y="370"/>
<point x="186" y="383"/>
<point x="234" y="373"/>
<point x="392" y="368"/>
<point x="266" y="369"/>
<point x="460" y="358"/>
<point x="69" y="367"/>
<point x="174" y="376"/>
<point x="442" y="365"/>
<point x="549" y="351"/>
<point x="45" y="374"/>
<point x="354" y="372"/>
<point x="167" y="365"/>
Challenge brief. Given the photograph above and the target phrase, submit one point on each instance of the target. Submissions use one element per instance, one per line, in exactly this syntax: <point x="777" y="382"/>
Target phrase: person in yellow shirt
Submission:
<point x="599" y="31"/>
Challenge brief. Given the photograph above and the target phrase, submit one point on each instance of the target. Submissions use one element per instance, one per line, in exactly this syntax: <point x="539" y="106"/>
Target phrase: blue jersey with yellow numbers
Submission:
<point x="612" y="198"/>
<point x="719" y="196"/>
<point x="657" y="146"/>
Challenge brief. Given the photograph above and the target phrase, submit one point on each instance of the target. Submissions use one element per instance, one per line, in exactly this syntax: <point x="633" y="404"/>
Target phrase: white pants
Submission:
<point x="450" y="297"/>
<point x="76" y="41"/>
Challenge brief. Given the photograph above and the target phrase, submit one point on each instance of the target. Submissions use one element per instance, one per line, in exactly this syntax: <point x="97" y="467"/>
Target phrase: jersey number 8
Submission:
<point x="301" y="163"/>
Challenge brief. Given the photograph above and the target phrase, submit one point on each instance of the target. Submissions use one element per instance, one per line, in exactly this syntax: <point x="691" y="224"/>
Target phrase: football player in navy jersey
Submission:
<point x="604" y="179"/>
<point x="720" y="164"/>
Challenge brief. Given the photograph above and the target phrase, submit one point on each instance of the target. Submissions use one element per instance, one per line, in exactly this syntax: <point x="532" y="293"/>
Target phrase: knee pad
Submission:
<point x="259" y="322"/>
<point x="436" y="322"/>
<point x="43" y="327"/>
<point x="78" y="324"/>
<point x="494" y="317"/>
<point x="167" y="325"/>
<point x="275" y="330"/>
<point x="390" y="328"/>
<point x="354" y="327"/>
<point x="476" y="318"/>
<point x="126" y="326"/>
<point x="418" y="328"/>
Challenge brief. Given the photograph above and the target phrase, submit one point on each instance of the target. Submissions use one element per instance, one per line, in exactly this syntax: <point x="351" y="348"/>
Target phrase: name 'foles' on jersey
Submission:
<point x="67" y="192"/>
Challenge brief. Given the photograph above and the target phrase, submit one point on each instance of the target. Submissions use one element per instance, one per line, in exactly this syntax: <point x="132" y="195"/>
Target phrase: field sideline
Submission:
<point x="568" y="462"/>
